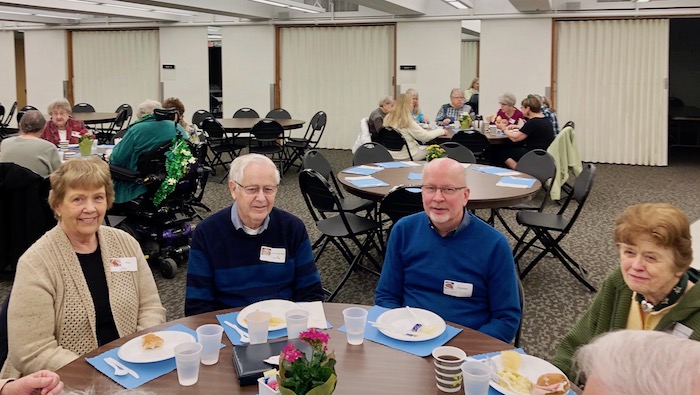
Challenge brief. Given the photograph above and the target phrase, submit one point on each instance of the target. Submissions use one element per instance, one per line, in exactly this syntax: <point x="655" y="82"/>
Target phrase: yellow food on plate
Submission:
<point x="274" y="321"/>
<point x="151" y="341"/>
<point x="514" y="381"/>
<point x="511" y="360"/>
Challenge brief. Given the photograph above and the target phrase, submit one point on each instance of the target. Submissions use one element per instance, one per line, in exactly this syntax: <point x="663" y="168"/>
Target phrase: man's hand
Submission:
<point x="44" y="381"/>
<point x="446" y="121"/>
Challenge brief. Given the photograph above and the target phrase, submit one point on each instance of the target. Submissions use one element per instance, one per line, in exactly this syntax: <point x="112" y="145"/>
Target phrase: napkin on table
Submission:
<point x="146" y="371"/>
<point x="421" y="349"/>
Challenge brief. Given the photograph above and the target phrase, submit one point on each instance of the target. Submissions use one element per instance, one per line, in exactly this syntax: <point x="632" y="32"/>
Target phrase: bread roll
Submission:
<point x="551" y="384"/>
<point x="151" y="341"/>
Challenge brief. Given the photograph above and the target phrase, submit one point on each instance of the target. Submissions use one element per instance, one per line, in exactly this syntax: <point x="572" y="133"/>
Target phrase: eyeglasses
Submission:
<point x="446" y="191"/>
<point x="268" y="190"/>
<point x="458" y="97"/>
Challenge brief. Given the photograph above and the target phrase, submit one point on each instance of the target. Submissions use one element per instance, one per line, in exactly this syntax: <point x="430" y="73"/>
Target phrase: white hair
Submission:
<point x="636" y="362"/>
<point x="147" y="108"/>
<point x="239" y="164"/>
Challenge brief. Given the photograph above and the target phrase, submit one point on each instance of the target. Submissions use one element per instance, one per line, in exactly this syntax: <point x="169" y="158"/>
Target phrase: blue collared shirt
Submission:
<point x="238" y="223"/>
<point x="465" y="222"/>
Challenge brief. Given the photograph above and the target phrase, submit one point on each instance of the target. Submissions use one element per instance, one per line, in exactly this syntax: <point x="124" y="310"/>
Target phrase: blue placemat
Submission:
<point x="415" y="176"/>
<point x="392" y="165"/>
<point x="516" y="182"/>
<point x="493" y="354"/>
<point x="421" y="349"/>
<point x="234" y="337"/>
<point x="146" y="371"/>
<point x="366" y="182"/>
<point x="495" y="170"/>
<point x="363" y="170"/>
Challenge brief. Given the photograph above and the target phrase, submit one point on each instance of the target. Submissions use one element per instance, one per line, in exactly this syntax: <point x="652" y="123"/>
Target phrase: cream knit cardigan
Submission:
<point x="51" y="316"/>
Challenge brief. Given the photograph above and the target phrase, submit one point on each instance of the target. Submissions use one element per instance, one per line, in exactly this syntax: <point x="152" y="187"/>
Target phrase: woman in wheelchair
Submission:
<point x="81" y="285"/>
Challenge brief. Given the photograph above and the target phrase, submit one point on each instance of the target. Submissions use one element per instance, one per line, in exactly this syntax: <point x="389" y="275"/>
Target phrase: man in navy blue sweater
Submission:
<point x="250" y="251"/>
<point x="448" y="261"/>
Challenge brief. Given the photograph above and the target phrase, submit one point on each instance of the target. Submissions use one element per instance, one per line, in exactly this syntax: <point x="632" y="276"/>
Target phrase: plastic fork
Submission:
<point x="244" y="336"/>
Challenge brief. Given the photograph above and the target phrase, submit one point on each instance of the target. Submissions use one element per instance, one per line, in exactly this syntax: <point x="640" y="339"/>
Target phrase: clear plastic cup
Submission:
<point x="475" y="377"/>
<point x="209" y="336"/>
<point x="355" y="320"/>
<point x="187" y="361"/>
<point x="297" y="322"/>
<point x="258" y="325"/>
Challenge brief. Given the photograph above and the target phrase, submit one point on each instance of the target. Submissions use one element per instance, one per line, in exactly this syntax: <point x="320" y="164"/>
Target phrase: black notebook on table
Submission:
<point x="248" y="359"/>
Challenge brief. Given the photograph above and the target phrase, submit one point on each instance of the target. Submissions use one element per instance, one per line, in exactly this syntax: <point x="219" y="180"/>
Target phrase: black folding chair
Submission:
<point x="219" y="144"/>
<point x="199" y="116"/>
<point x="106" y="136"/>
<point x="549" y="229"/>
<point x="246" y="112"/>
<point x="268" y="139"/>
<point x="539" y="164"/>
<point x="278" y="113"/>
<point x="83" y="107"/>
<point x="401" y="201"/>
<point x="296" y="147"/>
<point x="371" y="153"/>
<point x="477" y="143"/>
<point x="458" y="152"/>
<point x="392" y="140"/>
<point x="344" y="230"/>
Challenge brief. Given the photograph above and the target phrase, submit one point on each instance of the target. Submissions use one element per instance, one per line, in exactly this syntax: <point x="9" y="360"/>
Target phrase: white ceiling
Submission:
<point x="33" y="14"/>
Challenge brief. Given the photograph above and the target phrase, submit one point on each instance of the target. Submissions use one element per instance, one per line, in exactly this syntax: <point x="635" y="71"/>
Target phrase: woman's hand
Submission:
<point x="446" y="122"/>
<point x="43" y="381"/>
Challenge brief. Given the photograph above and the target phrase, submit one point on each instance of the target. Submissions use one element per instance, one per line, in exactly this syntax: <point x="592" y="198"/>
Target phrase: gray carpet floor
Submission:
<point x="554" y="299"/>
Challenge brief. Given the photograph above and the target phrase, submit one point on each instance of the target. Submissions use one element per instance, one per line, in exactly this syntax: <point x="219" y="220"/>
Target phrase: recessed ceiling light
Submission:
<point x="302" y="10"/>
<point x="84" y="2"/>
<point x="15" y="13"/>
<point x="173" y="13"/>
<point x="270" y="3"/>
<point x="457" y="4"/>
<point x="58" y="16"/>
<point x="126" y="7"/>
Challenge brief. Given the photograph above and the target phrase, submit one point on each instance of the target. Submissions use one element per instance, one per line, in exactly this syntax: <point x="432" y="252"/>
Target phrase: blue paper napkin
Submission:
<point x="391" y="165"/>
<point x="516" y="182"/>
<point x="480" y="357"/>
<point x="361" y="170"/>
<point x="146" y="371"/>
<point x="495" y="170"/>
<point x="367" y="182"/>
<point x="421" y="349"/>
<point x="415" y="176"/>
<point x="234" y="337"/>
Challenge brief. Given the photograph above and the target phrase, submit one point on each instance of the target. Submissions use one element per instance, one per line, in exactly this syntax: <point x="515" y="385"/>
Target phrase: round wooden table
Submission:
<point x="484" y="193"/>
<point x="91" y="118"/>
<point x="246" y="124"/>
<point x="367" y="369"/>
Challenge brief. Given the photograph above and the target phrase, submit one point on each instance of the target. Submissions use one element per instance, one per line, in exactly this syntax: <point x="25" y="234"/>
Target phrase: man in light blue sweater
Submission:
<point x="448" y="261"/>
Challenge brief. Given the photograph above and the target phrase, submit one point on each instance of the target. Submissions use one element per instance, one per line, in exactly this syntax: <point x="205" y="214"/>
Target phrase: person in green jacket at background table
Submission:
<point x="654" y="287"/>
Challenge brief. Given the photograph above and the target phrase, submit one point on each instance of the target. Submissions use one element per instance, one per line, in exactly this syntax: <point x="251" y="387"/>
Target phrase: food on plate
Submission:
<point x="151" y="341"/>
<point x="551" y="384"/>
<point x="274" y="321"/>
<point x="509" y="377"/>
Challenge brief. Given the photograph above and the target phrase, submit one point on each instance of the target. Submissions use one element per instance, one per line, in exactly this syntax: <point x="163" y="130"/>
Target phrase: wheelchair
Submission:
<point x="163" y="231"/>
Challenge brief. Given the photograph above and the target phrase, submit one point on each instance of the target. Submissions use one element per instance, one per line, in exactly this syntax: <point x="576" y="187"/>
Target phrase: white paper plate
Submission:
<point x="276" y="307"/>
<point x="432" y="325"/>
<point x="132" y="351"/>
<point x="531" y="367"/>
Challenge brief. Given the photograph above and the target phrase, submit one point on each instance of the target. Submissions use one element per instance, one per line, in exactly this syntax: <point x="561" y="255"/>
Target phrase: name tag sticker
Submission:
<point x="274" y="255"/>
<point x="681" y="330"/>
<point x="127" y="264"/>
<point x="460" y="290"/>
<point x="75" y="134"/>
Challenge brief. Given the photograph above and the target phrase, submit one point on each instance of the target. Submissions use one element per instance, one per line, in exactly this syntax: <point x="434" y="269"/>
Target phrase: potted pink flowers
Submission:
<point x="308" y="375"/>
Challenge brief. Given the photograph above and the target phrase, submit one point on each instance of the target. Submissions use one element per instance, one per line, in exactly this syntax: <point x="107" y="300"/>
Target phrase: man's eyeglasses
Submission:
<point x="458" y="97"/>
<point x="255" y="189"/>
<point x="446" y="191"/>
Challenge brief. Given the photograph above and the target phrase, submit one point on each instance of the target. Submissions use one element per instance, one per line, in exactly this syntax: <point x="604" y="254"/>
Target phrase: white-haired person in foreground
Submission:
<point x="44" y="382"/>
<point x="637" y="362"/>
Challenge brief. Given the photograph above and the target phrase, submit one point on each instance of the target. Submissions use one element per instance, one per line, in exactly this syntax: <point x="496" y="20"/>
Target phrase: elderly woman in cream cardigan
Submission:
<point x="68" y="296"/>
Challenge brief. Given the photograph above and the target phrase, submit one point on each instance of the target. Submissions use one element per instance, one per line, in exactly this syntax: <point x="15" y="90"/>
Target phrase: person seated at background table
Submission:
<point x="634" y="362"/>
<point x="81" y="285"/>
<point x="448" y="261"/>
<point x="174" y="102"/>
<point x="473" y="90"/>
<point x="376" y="118"/>
<point x="62" y="126"/>
<point x="536" y="133"/>
<point x="507" y="114"/>
<point x="651" y="290"/>
<point x="402" y="121"/>
<point x="28" y="149"/>
<point x="145" y="134"/>
<point x="43" y="382"/>
<point x="451" y="112"/>
<point x="549" y="113"/>
<point x="250" y="251"/>
<point x="416" y="111"/>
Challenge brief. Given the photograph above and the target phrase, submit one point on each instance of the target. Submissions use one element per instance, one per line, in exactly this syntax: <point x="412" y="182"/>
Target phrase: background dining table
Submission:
<point x="91" y="118"/>
<point x="246" y="124"/>
<point x="370" y="368"/>
<point x="484" y="193"/>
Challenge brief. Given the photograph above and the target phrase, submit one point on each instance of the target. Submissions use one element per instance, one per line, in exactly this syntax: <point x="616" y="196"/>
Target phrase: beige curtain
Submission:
<point x="115" y="67"/>
<point x="611" y="80"/>
<point x="343" y="71"/>
<point x="470" y="61"/>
